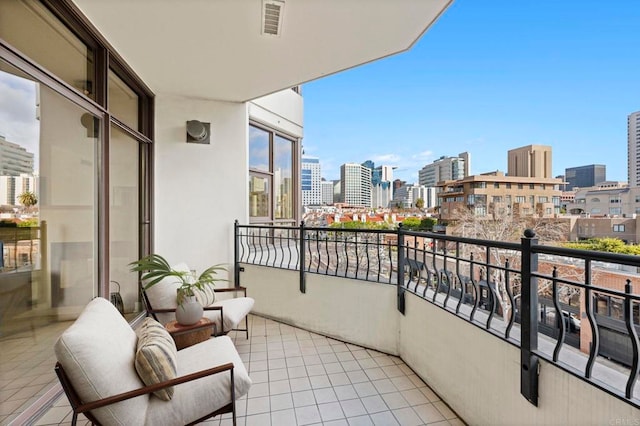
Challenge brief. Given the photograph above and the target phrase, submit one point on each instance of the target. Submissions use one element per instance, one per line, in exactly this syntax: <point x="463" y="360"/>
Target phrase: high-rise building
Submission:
<point x="12" y="186"/>
<point x="585" y="176"/>
<point x="381" y="177"/>
<point x="326" y="188"/>
<point x="445" y="168"/>
<point x="530" y="161"/>
<point x="355" y="180"/>
<point x="407" y="195"/>
<point x="310" y="181"/>
<point x="633" y="149"/>
<point x="14" y="159"/>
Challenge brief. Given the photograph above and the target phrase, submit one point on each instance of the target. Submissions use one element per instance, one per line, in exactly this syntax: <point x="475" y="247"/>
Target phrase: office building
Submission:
<point x="326" y="189"/>
<point x="310" y="175"/>
<point x="15" y="160"/>
<point x="530" y="161"/>
<point x="633" y="149"/>
<point x="585" y="176"/>
<point x="355" y="182"/>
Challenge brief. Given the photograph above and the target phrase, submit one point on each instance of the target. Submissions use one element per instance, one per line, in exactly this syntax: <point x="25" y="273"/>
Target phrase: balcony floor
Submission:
<point x="303" y="378"/>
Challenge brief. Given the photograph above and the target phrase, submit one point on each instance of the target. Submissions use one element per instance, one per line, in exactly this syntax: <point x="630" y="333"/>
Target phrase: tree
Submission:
<point x="28" y="199"/>
<point x="419" y="203"/>
<point x="428" y="223"/>
<point x="610" y="245"/>
<point x="411" y="223"/>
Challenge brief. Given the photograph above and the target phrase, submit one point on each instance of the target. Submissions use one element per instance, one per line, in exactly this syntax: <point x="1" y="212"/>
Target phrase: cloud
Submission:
<point x="385" y="159"/>
<point x="422" y="156"/>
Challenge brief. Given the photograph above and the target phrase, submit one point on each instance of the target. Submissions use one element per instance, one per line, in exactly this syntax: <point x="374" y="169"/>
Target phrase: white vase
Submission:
<point x="189" y="312"/>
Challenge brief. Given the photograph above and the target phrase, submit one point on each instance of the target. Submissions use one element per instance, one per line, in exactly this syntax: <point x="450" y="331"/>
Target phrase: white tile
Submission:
<point x="367" y="363"/>
<point x="54" y="416"/>
<point x="428" y="413"/>
<point x="258" y="356"/>
<point x="276" y="353"/>
<point x="360" y="421"/>
<point x="295" y="361"/>
<point x="333" y="367"/>
<point x="365" y="389"/>
<point x="393" y="371"/>
<point x="386" y="386"/>
<point x="339" y="379"/>
<point x="345" y="356"/>
<point x="383" y="361"/>
<point x="402" y="383"/>
<point x="357" y="376"/>
<point x="395" y="400"/>
<point x="284" y="418"/>
<point x="300" y="384"/>
<point x="414" y="397"/>
<point x="353" y="408"/>
<point x="330" y="411"/>
<point x="350" y="365"/>
<point x="257" y="366"/>
<point x="295" y="372"/>
<point x="281" y="386"/>
<point x="345" y="392"/>
<point x="340" y="422"/>
<point x="258" y="420"/>
<point x="275" y="364"/>
<point x="259" y="377"/>
<point x="281" y="402"/>
<point x="374" y="404"/>
<point x="327" y="358"/>
<point x="259" y="389"/>
<point x="325" y="395"/>
<point x="429" y="394"/>
<point x="307" y="415"/>
<point x="311" y="359"/>
<point x="258" y="405"/>
<point x="304" y="398"/>
<point x="384" y="419"/>
<point x="316" y="370"/>
<point x="318" y="382"/>
<point x="375" y="373"/>
<point x="280" y="374"/>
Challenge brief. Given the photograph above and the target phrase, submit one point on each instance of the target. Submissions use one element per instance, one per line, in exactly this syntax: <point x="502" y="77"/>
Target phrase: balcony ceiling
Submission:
<point x="214" y="49"/>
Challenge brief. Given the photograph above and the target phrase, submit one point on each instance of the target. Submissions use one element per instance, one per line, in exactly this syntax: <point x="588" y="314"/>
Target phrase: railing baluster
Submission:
<point x="298" y="247"/>
<point x="378" y="256"/>
<point x="326" y="249"/>
<point x="595" y="335"/>
<point x="317" y="252"/>
<point x="559" y="316"/>
<point x="261" y="249"/>
<point x="366" y="250"/>
<point x="280" y="238"/>
<point x="476" y="289"/>
<point x="336" y="243"/>
<point x="390" y="249"/>
<point x="461" y="282"/>
<point x="633" y="335"/>
<point x="512" y="301"/>
<point x="355" y="236"/>
<point x="302" y="270"/>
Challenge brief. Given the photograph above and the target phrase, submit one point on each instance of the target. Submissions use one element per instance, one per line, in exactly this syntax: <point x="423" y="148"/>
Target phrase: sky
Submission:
<point x="488" y="76"/>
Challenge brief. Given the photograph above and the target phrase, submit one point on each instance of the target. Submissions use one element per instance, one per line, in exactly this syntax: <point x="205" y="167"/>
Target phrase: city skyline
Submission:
<point x="487" y="78"/>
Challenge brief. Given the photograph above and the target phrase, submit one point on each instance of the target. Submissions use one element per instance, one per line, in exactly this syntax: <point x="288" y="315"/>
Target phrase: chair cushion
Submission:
<point x="156" y="356"/>
<point x="198" y="398"/>
<point x="234" y="310"/>
<point x="97" y="353"/>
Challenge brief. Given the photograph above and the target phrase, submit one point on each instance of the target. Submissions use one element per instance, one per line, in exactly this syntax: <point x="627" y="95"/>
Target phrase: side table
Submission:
<point x="188" y="335"/>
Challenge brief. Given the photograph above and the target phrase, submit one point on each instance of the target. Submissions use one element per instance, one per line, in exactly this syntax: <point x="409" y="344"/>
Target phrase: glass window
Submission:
<point x="123" y="102"/>
<point x="259" y="200"/>
<point x="34" y="30"/>
<point x="259" y="154"/>
<point x="123" y="216"/>
<point x="283" y="177"/>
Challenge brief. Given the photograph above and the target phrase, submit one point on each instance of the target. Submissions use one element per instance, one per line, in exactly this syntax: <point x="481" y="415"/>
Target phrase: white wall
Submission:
<point x="281" y="111"/>
<point x="199" y="189"/>
<point x="359" y="312"/>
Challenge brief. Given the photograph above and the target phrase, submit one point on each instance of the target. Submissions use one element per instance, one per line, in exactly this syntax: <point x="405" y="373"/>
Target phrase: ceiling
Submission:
<point x="215" y="49"/>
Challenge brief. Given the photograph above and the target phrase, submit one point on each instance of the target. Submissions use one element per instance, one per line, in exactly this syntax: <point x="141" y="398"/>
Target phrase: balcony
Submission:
<point x="377" y="327"/>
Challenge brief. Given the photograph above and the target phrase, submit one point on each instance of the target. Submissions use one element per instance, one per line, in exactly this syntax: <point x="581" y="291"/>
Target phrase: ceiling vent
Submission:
<point x="272" y="11"/>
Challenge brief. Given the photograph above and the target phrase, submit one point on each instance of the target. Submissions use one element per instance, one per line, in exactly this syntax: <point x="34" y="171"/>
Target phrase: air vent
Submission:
<point x="272" y="17"/>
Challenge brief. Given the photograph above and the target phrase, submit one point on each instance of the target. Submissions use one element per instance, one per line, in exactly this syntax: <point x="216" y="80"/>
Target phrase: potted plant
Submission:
<point x="154" y="268"/>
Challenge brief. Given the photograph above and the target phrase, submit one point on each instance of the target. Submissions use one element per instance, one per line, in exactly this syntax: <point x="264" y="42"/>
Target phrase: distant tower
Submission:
<point x="633" y="149"/>
<point x="530" y="161"/>
<point x="310" y="180"/>
<point x="445" y="168"/>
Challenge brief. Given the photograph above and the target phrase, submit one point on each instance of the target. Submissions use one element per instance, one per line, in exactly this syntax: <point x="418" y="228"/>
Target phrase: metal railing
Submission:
<point x="546" y="300"/>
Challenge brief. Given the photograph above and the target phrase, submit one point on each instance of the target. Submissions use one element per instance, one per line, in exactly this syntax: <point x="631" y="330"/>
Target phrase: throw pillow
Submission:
<point x="156" y="356"/>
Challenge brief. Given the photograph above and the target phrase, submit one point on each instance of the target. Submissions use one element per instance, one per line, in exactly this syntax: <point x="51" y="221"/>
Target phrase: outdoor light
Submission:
<point x="198" y="132"/>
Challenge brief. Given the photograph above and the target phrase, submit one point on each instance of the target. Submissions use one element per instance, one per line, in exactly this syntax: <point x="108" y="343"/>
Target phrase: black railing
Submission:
<point x="546" y="300"/>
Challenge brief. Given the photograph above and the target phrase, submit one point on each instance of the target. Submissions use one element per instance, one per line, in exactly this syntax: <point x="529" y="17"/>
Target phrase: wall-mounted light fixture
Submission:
<point x="198" y="132"/>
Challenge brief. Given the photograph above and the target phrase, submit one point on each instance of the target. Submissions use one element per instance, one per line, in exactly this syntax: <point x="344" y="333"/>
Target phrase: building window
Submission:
<point x="543" y="199"/>
<point x="618" y="228"/>
<point x="508" y="185"/>
<point x="520" y="186"/>
<point x="272" y="184"/>
<point x="496" y="184"/>
<point x="532" y="186"/>
<point x="615" y="210"/>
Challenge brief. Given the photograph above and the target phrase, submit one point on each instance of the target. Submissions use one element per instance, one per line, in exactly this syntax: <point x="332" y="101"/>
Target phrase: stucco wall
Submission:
<point x="355" y="311"/>
<point x="199" y="189"/>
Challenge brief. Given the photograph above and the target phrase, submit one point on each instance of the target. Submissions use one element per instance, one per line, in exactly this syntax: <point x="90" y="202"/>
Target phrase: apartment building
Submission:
<point x="407" y="195"/>
<point x="326" y="189"/>
<point x="612" y="199"/>
<point x="633" y="148"/>
<point x="445" y="168"/>
<point x="489" y="192"/>
<point x="311" y="178"/>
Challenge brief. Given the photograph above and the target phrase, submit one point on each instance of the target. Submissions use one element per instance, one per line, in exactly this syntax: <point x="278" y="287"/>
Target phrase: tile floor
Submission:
<point x="302" y="378"/>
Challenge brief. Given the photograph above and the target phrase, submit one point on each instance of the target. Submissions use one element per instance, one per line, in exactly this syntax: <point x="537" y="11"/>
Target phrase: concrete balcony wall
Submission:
<point x="477" y="373"/>
<point x="358" y="312"/>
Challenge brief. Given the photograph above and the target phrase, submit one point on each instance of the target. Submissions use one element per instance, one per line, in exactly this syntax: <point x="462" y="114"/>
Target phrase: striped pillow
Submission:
<point x="156" y="356"/>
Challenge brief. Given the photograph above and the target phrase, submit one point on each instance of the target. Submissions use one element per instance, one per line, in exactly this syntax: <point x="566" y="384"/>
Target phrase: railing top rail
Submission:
<point x="263" y="226"/>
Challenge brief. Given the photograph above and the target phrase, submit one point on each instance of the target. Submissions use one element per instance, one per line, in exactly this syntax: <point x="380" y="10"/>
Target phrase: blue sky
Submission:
<point x="489" y="76"/>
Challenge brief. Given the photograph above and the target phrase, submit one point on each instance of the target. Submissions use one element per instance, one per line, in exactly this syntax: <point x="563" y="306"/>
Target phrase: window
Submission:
<point x="272" y="185"/>
<point x="479" y="185"/>
<point x="543" y="199"/>
<point x="532" y="186"/>
<point x="618" y="228"/>
<point x="520" y="186"/>
<point x="521" y="199"/>
<point x="615" y="210"/>
<point x="496" y="184"/>
<point x="508" y="185"/>
<point x="615" y="200"/>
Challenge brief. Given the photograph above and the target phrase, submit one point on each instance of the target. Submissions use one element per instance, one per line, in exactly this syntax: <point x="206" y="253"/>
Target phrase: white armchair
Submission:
<point x="225" y="313"/>
<point x="99" y="359"/>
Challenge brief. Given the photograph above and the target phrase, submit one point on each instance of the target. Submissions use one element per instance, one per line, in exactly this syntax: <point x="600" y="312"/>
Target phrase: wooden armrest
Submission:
<point x="228" y="289"/>
<point x="149" y="389"/>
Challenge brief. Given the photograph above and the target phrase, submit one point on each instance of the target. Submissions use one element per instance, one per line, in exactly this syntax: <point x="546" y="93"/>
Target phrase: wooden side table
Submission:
<point x="188" y="335"/>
